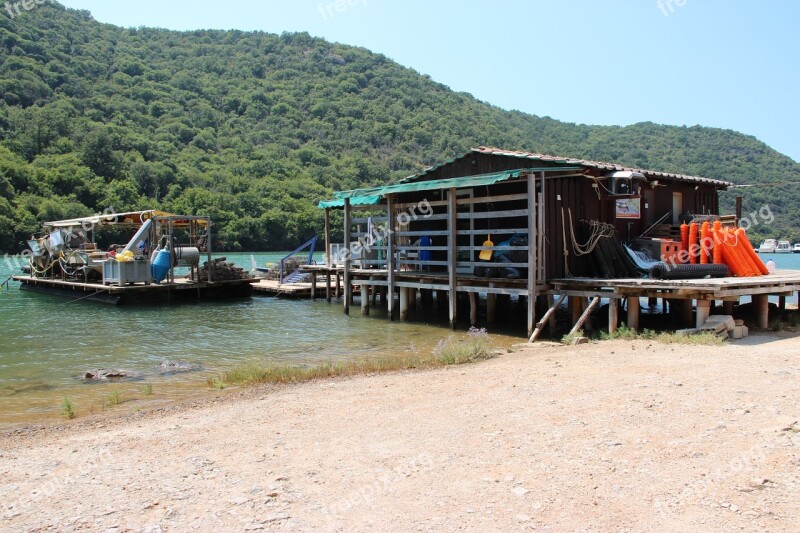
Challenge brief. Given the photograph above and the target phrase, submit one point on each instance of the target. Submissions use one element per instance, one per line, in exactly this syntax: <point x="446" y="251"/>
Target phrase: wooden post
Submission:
<point x="552" y="322"/>
<point x="532" y="252"/>
<point x="328" y="286"/>
<point x="404" y="303"/>
<point x="491" y="308"/>
<point x="739" y="208"/>
<point x="348" y="288"/>
<point x="412" y="299"/>
<point x="375" y="291"/>
<point x="633" y="312"/>
<point x="338" y="291"/>
<point x="313" y="285"/>
<point x="575" y="308"/>
<point x="613" y="314"/>
<point x="550" y="312"/>
<point x="761" y="304"/>
<point x="390" y="255"/>
<point x="365" y="298"/>
<point x="686" y="313"/>
<point x="727" y="307"/>
<point x="703" y="312"/>
<point x="451" y="255"/>
<point x="328" y="238"/>
<point x="585" y="315"/>
<point x="782" y="303"/>
<point x="473" y="309"/>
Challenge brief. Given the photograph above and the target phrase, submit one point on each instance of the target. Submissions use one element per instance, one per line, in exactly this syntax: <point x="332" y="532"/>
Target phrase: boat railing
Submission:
<point x="310" y="244"/>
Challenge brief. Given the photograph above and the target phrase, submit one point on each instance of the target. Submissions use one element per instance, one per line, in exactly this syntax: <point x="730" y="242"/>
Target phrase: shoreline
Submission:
<point x="615" y="435"/>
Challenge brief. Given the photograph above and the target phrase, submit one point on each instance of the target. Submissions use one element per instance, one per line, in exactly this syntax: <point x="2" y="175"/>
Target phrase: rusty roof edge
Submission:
<point x="601" y="165"/>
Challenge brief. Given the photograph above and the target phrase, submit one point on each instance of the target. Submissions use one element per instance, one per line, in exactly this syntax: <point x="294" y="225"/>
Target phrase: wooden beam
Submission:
<point x="585" y="315"/>
<point x="328" y="286"/>
<point x="532" y="252"/>
<point x="546" y="318"/>
<point x="348" y="288"/>
<point x="313" y="286"/>
<point x="391" y="264"/>
<point x="451" y="255"/>
<point x="328" y="238"/>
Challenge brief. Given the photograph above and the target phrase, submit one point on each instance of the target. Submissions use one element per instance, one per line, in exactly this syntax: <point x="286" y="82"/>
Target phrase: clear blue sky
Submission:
<point x="729" y="64"/>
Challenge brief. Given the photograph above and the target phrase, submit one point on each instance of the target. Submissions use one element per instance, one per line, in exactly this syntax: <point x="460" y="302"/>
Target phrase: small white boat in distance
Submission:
<point x="796" y="248"/>
<point x="768" y="246"/>
<point x="784" y="247"/>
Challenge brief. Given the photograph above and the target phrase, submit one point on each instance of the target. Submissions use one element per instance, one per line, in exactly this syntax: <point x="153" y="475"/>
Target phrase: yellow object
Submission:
<point x="124" y="257"/>
<point x="486" y="255"/>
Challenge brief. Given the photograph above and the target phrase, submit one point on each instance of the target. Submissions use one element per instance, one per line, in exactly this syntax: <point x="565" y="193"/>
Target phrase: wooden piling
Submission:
<point x="761" y="305"/>
<point x="703" y="312"/>
<point x="451" y="255"/>
<point x="328" y="286"/>
<point x="365" y="299"/>
<point x="473" y="309"/>
<point x="633" y="312"/>
<point x="491" y="308"/>
<point x="613" y="314"/>
<point x="404" y="303"/>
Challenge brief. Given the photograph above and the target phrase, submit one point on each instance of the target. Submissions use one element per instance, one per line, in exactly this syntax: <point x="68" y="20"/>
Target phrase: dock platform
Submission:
<point x="181" y="290"/>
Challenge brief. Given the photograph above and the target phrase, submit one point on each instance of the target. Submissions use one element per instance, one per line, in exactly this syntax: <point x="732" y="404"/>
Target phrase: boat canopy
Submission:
<point x="132" y="218"/>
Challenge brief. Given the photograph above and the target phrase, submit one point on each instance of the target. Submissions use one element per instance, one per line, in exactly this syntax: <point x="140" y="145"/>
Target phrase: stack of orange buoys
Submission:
<point x="748" y="248"/>
<point x="693" y="243"/>
<point x="734" y="246"/>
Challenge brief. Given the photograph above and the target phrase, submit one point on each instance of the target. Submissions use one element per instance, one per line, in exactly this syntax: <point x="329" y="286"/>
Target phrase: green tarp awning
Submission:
<point x="363" y="200"/>
<point x="450" y="183"/>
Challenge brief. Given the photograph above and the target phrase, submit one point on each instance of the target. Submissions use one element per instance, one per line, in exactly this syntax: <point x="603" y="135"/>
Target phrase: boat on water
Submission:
<point x="784" y="247"/>
<point x="796" y="248"/>
<point x="768" y="246"/>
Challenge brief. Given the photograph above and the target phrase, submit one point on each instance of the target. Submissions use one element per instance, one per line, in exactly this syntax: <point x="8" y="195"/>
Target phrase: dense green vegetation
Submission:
<point x="253" y="129"/>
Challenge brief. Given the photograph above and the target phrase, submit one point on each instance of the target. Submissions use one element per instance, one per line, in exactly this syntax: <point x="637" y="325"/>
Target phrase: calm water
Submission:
<point x="48" y="342"/>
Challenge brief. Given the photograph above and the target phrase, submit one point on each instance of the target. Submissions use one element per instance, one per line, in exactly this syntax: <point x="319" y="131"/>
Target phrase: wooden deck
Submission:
<point x="181" y="290"/>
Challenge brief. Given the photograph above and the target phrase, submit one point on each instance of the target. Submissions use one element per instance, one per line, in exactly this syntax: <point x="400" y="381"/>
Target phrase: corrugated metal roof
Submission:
<point x="585" y="163"/>
<point x="449" y="183"/>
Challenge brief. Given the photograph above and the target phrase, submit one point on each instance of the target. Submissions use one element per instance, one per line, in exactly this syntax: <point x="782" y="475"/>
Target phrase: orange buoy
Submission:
<point x="747" y="265"/>
<point x="705" y="235"/>
<point x="685" y="236"/>
<point x="693" y="247"/>
<point x="759" y="264"/>
<point x="729" y="257"/>
<point x="717" y="250"/>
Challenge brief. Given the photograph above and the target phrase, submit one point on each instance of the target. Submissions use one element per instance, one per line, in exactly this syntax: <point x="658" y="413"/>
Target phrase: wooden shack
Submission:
<point x="431" y="231"/>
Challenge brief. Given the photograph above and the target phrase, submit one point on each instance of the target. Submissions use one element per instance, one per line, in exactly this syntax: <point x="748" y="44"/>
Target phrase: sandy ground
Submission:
<point x="615" y="436"/>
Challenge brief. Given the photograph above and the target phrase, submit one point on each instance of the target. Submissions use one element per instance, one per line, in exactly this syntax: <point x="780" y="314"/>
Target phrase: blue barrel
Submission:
<point x="161" y="265"/>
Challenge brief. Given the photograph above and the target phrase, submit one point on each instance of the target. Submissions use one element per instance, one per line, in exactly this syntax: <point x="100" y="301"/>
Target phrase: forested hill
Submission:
<point x="254" y="129"/>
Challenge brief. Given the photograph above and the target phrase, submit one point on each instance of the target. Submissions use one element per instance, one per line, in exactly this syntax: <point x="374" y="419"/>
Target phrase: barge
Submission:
<point x="161" y="262"/>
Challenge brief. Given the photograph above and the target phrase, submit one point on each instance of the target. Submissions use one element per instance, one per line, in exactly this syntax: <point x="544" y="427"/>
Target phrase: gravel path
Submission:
<point x="615" y="436"/>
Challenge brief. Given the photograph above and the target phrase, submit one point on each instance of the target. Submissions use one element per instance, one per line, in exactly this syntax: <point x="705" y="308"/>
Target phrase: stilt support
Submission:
<point x="633" y="312"/>
<point x="703" y="312"/>
<point x="550" y="312"/>
<point x="585" y="315"/>
<point x="761" y="304"/>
